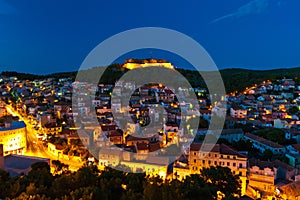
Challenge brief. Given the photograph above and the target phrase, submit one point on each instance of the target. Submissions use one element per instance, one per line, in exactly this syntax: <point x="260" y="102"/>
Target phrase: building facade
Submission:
<point x="221" y="155"/>
<point x="13" y="138"/>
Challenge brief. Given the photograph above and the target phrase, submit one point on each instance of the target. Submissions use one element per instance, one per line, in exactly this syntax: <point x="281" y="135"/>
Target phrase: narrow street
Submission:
<point x="36" y="147"/>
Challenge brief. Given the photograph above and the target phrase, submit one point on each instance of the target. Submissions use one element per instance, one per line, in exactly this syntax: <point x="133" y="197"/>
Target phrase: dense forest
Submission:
<point x="89" y="183"/>
<point x="235" y="79"/>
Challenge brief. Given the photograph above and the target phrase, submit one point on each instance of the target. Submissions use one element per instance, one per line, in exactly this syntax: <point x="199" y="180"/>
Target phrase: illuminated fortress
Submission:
<point x="13" y="138"/>
<point x="142" y="63"/>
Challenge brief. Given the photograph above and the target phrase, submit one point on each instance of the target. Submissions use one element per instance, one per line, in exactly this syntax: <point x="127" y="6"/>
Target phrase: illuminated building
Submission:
<point x="238" y="112"/>
<point x="136" y="63"/>
<point x="289" y="191"/>
<point x="116" y="136"/>
<point x="52" y="129"/>
<point x="151" y="167"/>
<point x="61" y="108"/>
<point x="45" y="118"/>
<point x="181" y="168"/>
<point x="13" y="138"/>
<point x="150" y="164"/>
<point x="265" y="177"/>
<point x="55" y="149"/>
<point x="221" y="155"/>
<point x="109" y="157"/>
<point x="80" y="137"/>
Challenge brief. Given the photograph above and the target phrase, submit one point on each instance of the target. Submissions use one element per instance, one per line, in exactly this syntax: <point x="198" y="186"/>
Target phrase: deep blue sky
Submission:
<point x="50" y="36"/>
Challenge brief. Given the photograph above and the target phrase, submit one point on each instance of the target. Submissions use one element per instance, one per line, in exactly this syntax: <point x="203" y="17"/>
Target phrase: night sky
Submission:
<point x="51" y="36"/>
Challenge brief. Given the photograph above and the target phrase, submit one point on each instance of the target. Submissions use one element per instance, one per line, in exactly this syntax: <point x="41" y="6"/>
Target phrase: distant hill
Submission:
<point x="238" y="79"/>
<point x="31" y="77"/>
<point x="235" y="79"/>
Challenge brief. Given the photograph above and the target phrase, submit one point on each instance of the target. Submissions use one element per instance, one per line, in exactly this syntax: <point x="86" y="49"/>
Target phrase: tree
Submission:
<point x="203" y="123"/>
<point x="273" y="134"/>
<point x="86" y="175"/>
<point x="293" y="110"/>
<point x="4" y="179"/>
<point x="130" y="183"/>
<point x="59" y="167"/>
<point x="32" y="197"/>
<point x="195" y="187"/>
<point x="40" y="165"/>
<point x="40" y="175"/>
<point x="172" y="190"/>
<point x="62" y="185"/>
<point x="89" y="183"/>
<point x="31" y="189"/>
<point x="242" y="145"/>
<point x="267" y="155"/>
<point x="222" y="179"/>
<point x="132" y="180"/>
<point x="152" y="189"/>
<point x="246" y="127"/>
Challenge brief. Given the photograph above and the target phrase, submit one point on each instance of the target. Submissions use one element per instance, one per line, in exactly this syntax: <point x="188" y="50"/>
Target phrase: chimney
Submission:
<point x="1" y="157"/>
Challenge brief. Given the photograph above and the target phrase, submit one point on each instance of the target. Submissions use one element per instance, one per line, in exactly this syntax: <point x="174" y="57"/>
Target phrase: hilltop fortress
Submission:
<point x="142" y="63"/>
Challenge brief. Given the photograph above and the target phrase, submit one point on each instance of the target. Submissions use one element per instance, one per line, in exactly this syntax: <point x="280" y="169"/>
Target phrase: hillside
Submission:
<point x="235" y="79"/>
<point x="238" y="79"/>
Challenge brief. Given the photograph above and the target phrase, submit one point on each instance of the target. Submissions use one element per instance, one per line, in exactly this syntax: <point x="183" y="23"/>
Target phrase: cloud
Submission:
<point x="253" y="7"/>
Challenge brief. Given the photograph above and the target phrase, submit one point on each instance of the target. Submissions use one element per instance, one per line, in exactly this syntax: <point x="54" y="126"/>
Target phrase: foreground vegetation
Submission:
<point x="89" y="183"/>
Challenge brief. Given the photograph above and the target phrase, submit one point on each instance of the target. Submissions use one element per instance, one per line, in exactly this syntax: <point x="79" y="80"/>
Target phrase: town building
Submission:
<point x="219" y="155"/>
<point x="13" y="137"/>
<point x="263" y="144"/>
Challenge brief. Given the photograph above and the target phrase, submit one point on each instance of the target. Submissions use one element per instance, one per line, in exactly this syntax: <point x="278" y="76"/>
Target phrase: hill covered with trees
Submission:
<point x="235" y="79"/>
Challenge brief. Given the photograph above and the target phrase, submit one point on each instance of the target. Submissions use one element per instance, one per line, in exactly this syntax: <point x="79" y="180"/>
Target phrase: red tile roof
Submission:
<point x="263" y="141"/>
<point x="297" y="147"/>
<point x="218" y="148"/>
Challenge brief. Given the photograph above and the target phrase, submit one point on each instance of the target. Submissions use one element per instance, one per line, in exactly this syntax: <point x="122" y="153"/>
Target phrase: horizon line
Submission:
<point x="176" y="67"/>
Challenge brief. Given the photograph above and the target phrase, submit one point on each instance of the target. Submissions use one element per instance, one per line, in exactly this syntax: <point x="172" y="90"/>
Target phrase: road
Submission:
<point x="36" y="147"/>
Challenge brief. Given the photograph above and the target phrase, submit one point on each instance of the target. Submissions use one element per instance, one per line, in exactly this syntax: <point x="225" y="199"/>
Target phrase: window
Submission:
<point x="195" y="161"/>
<point x="228" y="164"/>
<point x="240" y="173"/>
<point x="203" y="161"/>
<point x="240" y="165"/>
<point x="234" y="164"/>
